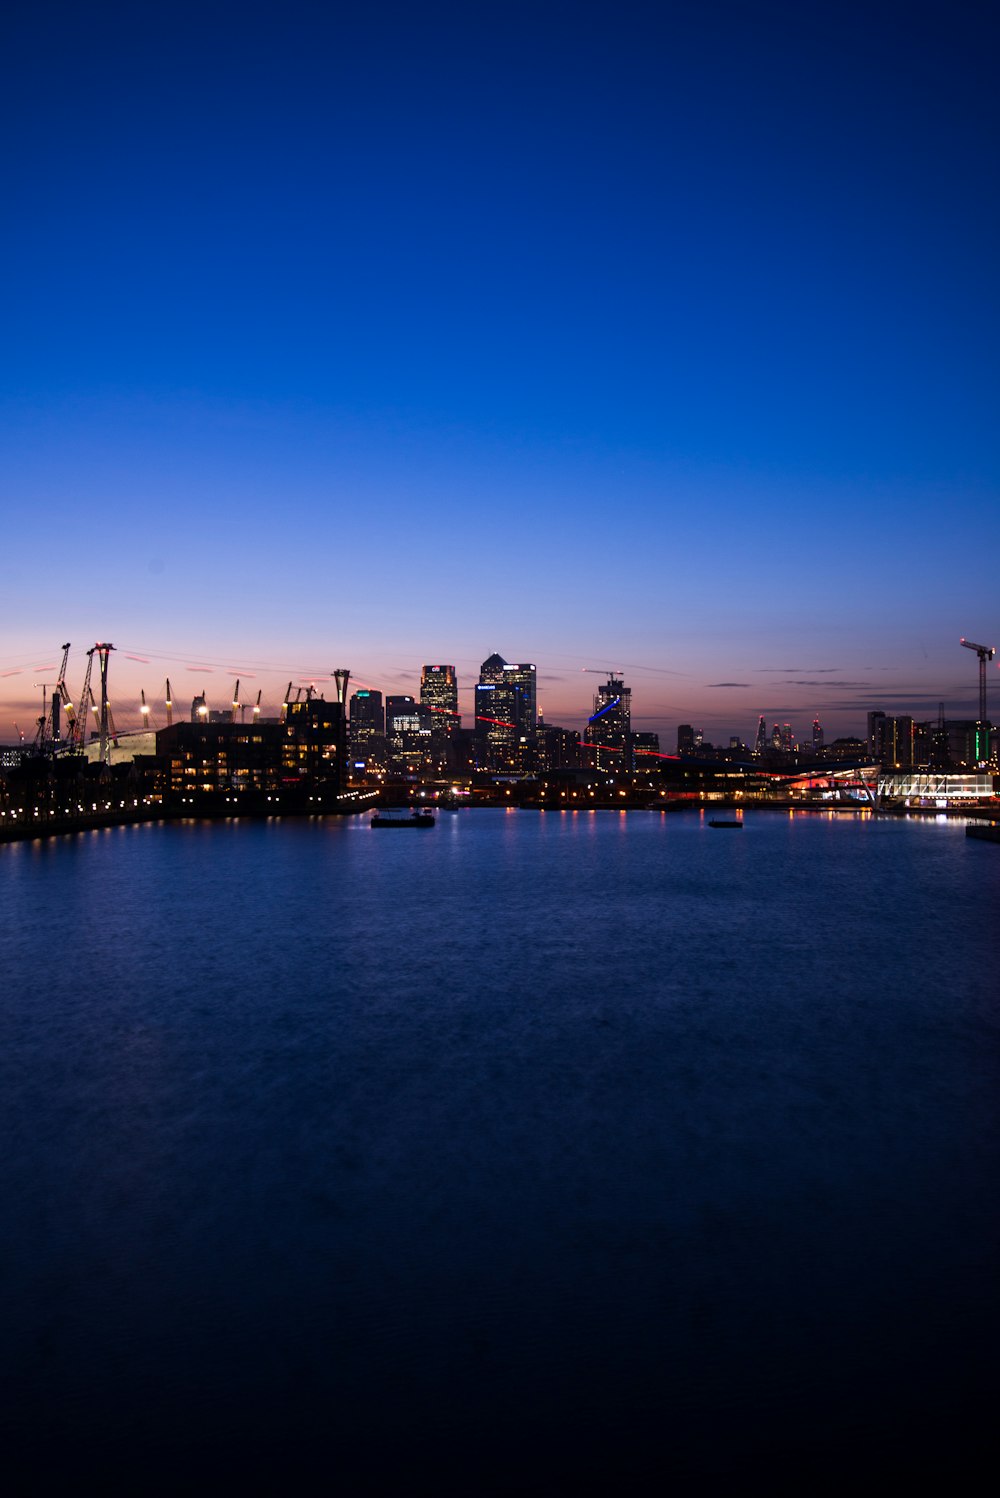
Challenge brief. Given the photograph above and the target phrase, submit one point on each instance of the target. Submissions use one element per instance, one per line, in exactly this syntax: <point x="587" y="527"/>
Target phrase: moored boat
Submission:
<point x="415" y="819"/>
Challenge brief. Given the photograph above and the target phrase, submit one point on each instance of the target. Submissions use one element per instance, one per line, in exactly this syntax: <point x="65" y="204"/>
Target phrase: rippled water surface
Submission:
<point x="539" y="1152"/>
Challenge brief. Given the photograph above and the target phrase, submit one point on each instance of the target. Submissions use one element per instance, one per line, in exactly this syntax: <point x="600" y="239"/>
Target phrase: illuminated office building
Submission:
<point x="407" y="734"/>
<point x="506" y="716"/>
<point x="367" y="732"/>
<point x="439" y="693"/>
<point x="609" y="727"/>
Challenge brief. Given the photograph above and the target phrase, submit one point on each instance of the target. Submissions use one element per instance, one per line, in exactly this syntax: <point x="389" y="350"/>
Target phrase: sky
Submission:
<point x="659" y="338"/>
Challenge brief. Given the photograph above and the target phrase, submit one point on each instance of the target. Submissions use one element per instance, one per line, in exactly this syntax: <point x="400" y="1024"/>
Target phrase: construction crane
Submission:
<point x="64" y="698"/>
<point x="52" y="732"/>
<point x="985" y="653"/>
<point x="38" y="742"/>
<point x="78" y="736"/>
<point x="170" y="706"/>
<point x="236" y="700"/>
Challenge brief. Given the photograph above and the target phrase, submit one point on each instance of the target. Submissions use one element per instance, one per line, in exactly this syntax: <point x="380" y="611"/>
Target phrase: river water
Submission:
<point x="539" y="1152"/>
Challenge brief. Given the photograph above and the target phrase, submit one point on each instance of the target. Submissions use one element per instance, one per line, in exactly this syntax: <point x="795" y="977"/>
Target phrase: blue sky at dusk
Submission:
<point x="662" y="337"/>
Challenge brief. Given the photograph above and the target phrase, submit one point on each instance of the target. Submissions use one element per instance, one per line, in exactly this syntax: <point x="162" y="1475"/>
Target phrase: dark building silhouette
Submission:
<point x="558" y="748"/>
<point x="296" y="760"/>
<point x="407" y="734"/>
<point x="203" y="760"/>
<point x="315" y="741"/>
<point x="896" y="748"/>
<point x="876" y="732"/>
<point x="645" y="750"/>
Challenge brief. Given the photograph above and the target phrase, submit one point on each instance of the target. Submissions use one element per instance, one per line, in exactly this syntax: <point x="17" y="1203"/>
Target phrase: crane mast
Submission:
<point x="64" y="697"/>
<point x="60" y="697"/>
<point x="38" y="743"/>
<point x="78" y="736"/>
<point x="985" y="653"/>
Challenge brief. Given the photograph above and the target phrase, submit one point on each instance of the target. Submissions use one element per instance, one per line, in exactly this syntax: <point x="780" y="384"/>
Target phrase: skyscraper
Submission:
<point x="506" y="715"/>
<point x="439" y="692"/>
<point x="367" y="733"/>
<point x="610" y="725"/>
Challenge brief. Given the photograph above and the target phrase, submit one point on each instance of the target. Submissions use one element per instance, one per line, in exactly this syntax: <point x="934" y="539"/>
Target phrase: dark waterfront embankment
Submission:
<point x="987" y="833"/>
<point x="45" y="821"/>
<point x="25" y="829"/>
<point x="68" y="825"/>
<point x="48" y="824"/>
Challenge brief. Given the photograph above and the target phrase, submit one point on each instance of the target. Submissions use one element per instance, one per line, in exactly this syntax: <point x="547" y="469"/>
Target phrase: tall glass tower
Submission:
<point x="439" y="692"/>
<point x="506" y="715"/>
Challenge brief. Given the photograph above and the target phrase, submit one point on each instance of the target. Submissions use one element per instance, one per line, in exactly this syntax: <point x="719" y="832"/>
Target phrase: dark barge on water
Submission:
<point x="415" y="819"/>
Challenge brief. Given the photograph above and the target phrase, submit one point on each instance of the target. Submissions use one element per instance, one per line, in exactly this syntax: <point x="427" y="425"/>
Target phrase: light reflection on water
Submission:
<point x="602" y="1144"/>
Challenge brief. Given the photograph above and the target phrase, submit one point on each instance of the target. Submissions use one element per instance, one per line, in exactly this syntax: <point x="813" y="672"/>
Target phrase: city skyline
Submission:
<point x="661" y="341"/>
<point x="564" y="693"/>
